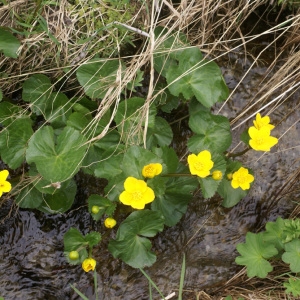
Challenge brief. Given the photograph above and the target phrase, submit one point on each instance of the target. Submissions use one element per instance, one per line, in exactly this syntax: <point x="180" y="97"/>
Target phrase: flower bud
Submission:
<point x="217" y="175"/>
<point x="110" y="223"/>
<point x="95" y="209"/>
<point x="73" y="255"/>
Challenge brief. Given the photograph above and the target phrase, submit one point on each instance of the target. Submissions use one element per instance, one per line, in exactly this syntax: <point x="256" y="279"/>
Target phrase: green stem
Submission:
<point x="238" y="153"/>
<point x="177" y="175"/>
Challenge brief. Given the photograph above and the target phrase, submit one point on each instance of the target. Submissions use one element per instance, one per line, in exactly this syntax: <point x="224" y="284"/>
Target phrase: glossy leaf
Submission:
<point x="208" y="185"/>
<point x="93" y="238"/>
<point x="29" y="197"/>
<point x="128" y="120"/>
<point x="97" y="76"/>
<point x="194" y="76"/>
<point x="36" y="90"/>
<point x="9" y="44"/>
<point x="14" y="140"/>
<point x="174" y="201"/>
<point x="254" y="254"/>
<point x="9" y="112"/>
<point x="212" y="132"/>
<point x="60" y="201"/>
<point x="56" y="159"/>
<point x="160" y="134"/>
<point x="230" y="195"/>
<point x="135" y="159"/>
<point x="131" y="244"/>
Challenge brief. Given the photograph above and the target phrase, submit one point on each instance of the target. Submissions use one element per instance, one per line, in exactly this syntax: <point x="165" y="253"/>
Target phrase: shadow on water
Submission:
<point x="32" y="263"/>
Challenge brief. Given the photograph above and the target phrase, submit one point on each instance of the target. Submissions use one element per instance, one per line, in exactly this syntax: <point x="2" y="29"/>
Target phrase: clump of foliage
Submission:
<point x="128" y="145"/>
<point x="280" y="240"/>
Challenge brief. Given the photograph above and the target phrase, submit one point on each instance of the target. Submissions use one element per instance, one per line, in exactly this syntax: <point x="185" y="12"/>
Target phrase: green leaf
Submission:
<point x="170" y="46"/>
<point x="60" y="201"/>
<point x="208" y="185"/>
<point x="9" y="112"/>
<point x="130" y="244"/>
<point x="169" y="158"/>
<point x="292" y="286"/>
<point x="159" y="135"/>
<point x="135" y="159"/>
<point x="110" y="167"/>
<point x="36" y="90"/>
<point x="212" y="132"/>
<point x="128" y="119"/>
<point x="254" y="255"/>
<point x="57" y="109"/>
<point x="105" y="206"/>
<point x="29" y="197"/>
<point x="292" y="255"/>
<point x="13" y="142"/>
<point x="9" y="44"/>
<point x="1" y="95"/>
<point x="73" y="240"/>
<point x="96" y="76"/>
<point x="56" y="159"/>
<point x="230" y="195"/>
<point x="174" y="201"/>
<point x="274" y="233"/>
<point x="93" y="238"/>
<point x="45" y="186"/>
<point x="194" y="76"/>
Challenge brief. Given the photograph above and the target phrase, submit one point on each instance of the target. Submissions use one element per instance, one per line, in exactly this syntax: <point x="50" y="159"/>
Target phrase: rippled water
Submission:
<point x="32" y="264"/>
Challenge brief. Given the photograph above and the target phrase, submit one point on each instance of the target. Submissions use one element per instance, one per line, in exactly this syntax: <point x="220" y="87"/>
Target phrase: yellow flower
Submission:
<point x="241" y="178"/>
<point x="110" y="222"/>
<point x="261" y="139"/>
<point x="137" y="194"/>
<point x="151" y="170"/>
<point x="89" y="264"/>
<point x="262" y="122"/>
<point x="5" y="186"/>
<point x="200" y="164"/>
<point x="217" y="175"/>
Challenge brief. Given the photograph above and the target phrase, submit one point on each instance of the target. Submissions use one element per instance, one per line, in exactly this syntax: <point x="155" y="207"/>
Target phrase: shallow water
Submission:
<point x="32" y="264"/>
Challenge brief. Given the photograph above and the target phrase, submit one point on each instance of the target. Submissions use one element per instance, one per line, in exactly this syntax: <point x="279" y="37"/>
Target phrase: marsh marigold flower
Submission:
<point x="241" y="178"/>
<point x="262" y="122"/>
<point x="200" y="164"/>
<point x="5" y="186"/>
<point x="110" y="223"/>
<point x="89" y="264"/>
<point x="151" y="170"/>
<point x="261" y="139"/>
<point x="137" y="194"/>
<point x="217" y="175"/>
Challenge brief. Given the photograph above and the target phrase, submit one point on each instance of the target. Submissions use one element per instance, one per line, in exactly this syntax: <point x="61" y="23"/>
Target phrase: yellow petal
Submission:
<point x="148" y="195"/>
<point x="125" y="198"/>
<point x="5" y="187"/>
<point x="3" y="175"/>
<point x="130" y="184"/>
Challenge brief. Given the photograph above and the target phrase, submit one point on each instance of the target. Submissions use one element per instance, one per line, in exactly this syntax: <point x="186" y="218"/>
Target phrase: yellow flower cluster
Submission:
<point x="5" y="186"/>
<point x="260" y="138"/>
<point x="137" y="193"/>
